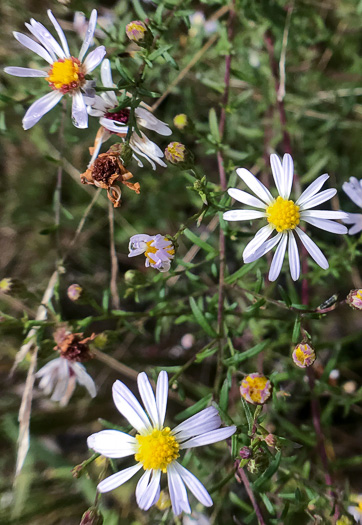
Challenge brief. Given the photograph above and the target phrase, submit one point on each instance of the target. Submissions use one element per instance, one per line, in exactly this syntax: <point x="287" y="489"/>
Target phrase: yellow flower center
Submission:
<point x="256" y="386"/>
<point x="175" y="152"/>
<point x="301" y="355"/>
<point x="66" y="74"/>
<point x="360" y="506"/>
<point x="151" y="249"/>
<point x="283" y="214"/>
<point x="157" y="450"/>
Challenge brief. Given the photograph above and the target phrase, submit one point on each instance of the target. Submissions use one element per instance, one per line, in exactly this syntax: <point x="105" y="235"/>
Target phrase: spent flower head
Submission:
<point x="66" y="75"/>
<point x="256" y="389"/>
<point x="303" y="355"/>
<point x="156" y="447"/>
<point x="159" y="250"/>
<point x="283" y="216"/>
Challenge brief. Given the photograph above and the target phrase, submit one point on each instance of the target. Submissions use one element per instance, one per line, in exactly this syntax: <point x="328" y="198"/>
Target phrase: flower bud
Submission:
<point x="180" y="121"/>
<point x="175" y="152"/>
<point x="92" y="516"/>
<point x="164" y="501"/>
<point x="303" y="355"/>
<point x="74" y="292"/>
<point x="256" y="389"/>
<point x="245" y="453"/>
<point x="136" y="31"/>
<point x="354" y="299"/>
<point x="270" y="440"/>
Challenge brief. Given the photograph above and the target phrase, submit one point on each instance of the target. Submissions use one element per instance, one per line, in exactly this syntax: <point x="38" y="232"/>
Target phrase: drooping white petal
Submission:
<point x="318" y="199"/>
<point x="146" y="148"/>
<point x="60" y="32"/>
<point x="177" y="489"/>
<point x="194" y="485"/>
<point x="353" y="189"/>
<point x="260" y="237"/>
<point x="94" y="58"/>
<point x="89" y="34"/>
<point x="294" y="262"/>
<point x="323" y="214"/>
<point x="46" y="369"/>
<point x="114" y="125"/>
<point x="278" y="174"/>
<point x="243" y="215"/>
<point x="84" y="378"/>
<point x="162" y="395"/>
<point x="29" y="43"/>
<point x="278" y="258"/>
<point x="326" y="225"/>
<point x="288" y="168"/>
<point x="312" y="249"/>
<point x="312" y="189"/>
<point x="148" y="497"/>
<point x="255" y="185"/>
<point x="112" y="443"/>
<point x="245" y="198"/>
<point x="116" y="480"/>
<point x="62" y="381"/>
<point x="46" y="38"/>
<point x="148" y="398"/>
<point x="40" y="107"/>
<point x="128" y="405"/>
<point x="106" y="74"/>
<point x="148" y="120"/>
<point x="263" y="249"/>
<point x="356" y="220"/>
<point x="79" y="111"/>
<point x="25" y="72"/>
<point x="204" y="421"/>
<point x="209" y="437"/>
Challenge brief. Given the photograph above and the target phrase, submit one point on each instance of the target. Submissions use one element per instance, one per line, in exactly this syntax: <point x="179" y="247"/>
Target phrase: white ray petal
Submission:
<point x="142" y="485"/>
<point x="79" y="111"/>
<point x="243" y="215"/>
<point x="162" y="395"/>
<point x="148" y="398"/>
<point x="278" y="174"/>
<point x="62" y="380"/>
<point x="177" y="489"/>
<point x="40" y="107"/>
<point x="312" y="189"/>
<point x="263" y="249"/>
<point x="149" y="121"/>
<point x="260" y="237"/>
<point x="288" y="168"/>
<point x="89" y="34"/>
<point x="112" y="443"/>
<point x="25" y="72"/>
<point x="294" y="261"/>
<point x="84" y="378"/>
<point x="94" y="59"/>
<point x="194" y="485"/>
<point x="209" y="437"/>
<point x="323" y="214"/>
<point x="60" y="32"/>
<point x="145" y="147"/>
<point x="128" y="405"/>
<point x="106" y="74"/>
<point x="45" y="38"/>
<point x="29" y="43"/>
<point x="255" y="185"/>
<point x="313" y="249"/>
<point x="148" y="497"/>
<point x="278" y="258"/>
<point x="356" y="220"/>
<point x="326" y="225"/>
<point x="353" y="189"/>
<point x="207" y="419"/>
<point x="318" y="199"/>
<point x="113" y="125"/>
<point x="116" y="480"/>
<point x="246" y="198"/>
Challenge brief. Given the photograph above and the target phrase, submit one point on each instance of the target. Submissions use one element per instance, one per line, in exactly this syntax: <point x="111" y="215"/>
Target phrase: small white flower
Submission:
<point x="117" y="122"/>
<point x="356" y="509"/>
<point x="66" y="73"/>
<point x="284" y="216"/>
<point x="158" y="250"/>
<point x="156" y="447"/>
<point x="353" y="189"/>
<point x="61" y="376"/>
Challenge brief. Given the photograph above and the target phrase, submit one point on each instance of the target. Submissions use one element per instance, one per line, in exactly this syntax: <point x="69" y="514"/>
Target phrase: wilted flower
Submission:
<point x="74" y="292"/>
<point x="116" y="122"/>
<point x="66" y="74"/>
<point x="284" y="216"/>
<point x="175" y="152"/>
<point x="256" y="388"/>
<point x="61" y="375"/>
<point x="353" y="189"/>
<point x="107" y="169"/>
<point x="180" y="121"/>
<point x="159" y="251"/>
<point x="303" y="355"/>
<point x="354" y="299"/>
<point x="156" y="447"/>
<point x="136" y="31"/>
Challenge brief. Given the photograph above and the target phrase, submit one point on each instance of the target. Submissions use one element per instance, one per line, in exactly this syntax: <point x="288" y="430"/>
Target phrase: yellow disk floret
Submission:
<point x="152" y="249"/>
<point x="157" y="450"/>
<point x="283" y="214"/>
<point x="66" y="74"/>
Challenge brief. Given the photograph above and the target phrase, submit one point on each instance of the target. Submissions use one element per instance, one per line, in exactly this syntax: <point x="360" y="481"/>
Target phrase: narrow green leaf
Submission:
<point x="248" y="415"/>
<point x="246" y="268"/>
<point x="190" y="411"/>
<point x="270" y="471"/>
<point x="296" y="330"/>
<point x="242" y="356"/>
<point x="214" y="127"/>
<point x="196" y="240"/>
<point x="201" y="319"/>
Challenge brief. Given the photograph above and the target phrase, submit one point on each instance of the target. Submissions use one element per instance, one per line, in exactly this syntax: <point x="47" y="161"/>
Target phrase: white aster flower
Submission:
<point x="60" y="376"/>
<point x="353" y="188"/>
<point x="156" y="448"/>
<point x="66" y="73"/>
<point x="117" y="122"/>
<point x="284" y="216"/>
<point x="159" y="251"/>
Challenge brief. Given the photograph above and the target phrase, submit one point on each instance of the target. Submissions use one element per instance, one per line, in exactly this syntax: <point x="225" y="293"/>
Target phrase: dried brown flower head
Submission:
<point x="73" y="346"/>
<point x="105" y="171"/>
